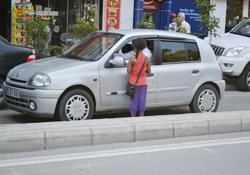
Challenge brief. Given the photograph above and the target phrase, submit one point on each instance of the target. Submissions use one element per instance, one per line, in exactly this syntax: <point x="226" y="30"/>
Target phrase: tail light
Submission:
<point x="31" y="58"/>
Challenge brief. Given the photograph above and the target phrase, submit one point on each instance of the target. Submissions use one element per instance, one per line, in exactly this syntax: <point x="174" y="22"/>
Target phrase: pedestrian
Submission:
<point x="243" y="19"/>
<point x="134" y="67"/>
<point x="184" y="24"/>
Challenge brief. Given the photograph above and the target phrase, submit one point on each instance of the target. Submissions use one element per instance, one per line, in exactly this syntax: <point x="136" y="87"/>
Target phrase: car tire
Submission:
<point x="2" y="103"/>
<point x="76" y="104"/>
<point x="243" y="80"/>
<point x="206" y="99"/>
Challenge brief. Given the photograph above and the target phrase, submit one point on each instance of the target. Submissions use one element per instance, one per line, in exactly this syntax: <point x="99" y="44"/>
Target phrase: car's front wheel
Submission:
<point x="243" y="80"/>
<point x="2" y="104"/>
<point x="76" y="104"/>
<point x="206" y="99"/>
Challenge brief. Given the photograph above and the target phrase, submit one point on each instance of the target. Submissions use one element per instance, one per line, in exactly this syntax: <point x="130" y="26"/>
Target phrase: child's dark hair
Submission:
<point x="139" y="44"/>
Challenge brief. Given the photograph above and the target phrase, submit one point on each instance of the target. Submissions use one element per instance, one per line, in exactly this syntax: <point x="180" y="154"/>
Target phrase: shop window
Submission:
<point x="173" y="52"/>
<point x="233" y="14"/>
<point x="67" y="12"/>
<point x="87" y="10"/>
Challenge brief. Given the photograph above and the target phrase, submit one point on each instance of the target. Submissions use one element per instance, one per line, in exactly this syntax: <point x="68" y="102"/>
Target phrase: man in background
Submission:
<point x="184" y="24"/>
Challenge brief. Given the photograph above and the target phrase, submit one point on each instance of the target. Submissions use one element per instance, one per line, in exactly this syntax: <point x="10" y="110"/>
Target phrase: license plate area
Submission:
<point x="12" y="92"/>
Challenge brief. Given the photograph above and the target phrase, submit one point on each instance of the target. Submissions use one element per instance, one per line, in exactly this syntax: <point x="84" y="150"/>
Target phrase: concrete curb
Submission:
<point x="52" y="135"/>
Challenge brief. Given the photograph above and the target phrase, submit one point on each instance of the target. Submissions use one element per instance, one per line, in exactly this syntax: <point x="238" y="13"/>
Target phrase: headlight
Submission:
<point x="234" y="51"/>
<point x="40" y="80"/>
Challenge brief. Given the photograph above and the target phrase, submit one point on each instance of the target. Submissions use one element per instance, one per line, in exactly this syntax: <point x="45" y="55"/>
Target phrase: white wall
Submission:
<point x="126" y="14"/>
<point x="245" y="8"/>
<point x="220" y="12"/>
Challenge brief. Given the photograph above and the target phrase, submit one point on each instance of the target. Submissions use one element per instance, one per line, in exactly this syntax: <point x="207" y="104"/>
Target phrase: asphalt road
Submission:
<point x="233" y="100"/>
<point x="226" y="154"/>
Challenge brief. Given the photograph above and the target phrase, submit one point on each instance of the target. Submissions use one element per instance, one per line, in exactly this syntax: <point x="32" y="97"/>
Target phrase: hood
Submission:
<point x="25" y="71"/>
<point x="229" y="40"/>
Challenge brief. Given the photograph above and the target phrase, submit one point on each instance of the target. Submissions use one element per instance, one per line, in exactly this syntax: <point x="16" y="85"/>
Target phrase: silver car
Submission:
<point x="90" y="77"/>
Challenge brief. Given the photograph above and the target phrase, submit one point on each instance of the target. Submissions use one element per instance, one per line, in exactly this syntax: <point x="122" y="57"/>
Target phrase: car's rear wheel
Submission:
<point x="243" y="80"/>
<point x="2" y="104"/>
<point x="206" y="99"/>
<point x="76" y="104"/>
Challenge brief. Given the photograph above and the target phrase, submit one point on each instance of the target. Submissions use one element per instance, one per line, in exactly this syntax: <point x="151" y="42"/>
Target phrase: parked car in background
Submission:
<point x="91" y="76"/>
<point x="233" y="52"/>
<point x="10" y="56"/>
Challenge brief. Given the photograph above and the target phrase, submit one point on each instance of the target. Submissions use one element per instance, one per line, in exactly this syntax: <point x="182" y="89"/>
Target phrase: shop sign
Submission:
<point x="20" y="1"/>
<point x="47" y="13"/>
<point x="150" y="5"/>
<point x="56" y="29"/>
<point x="47" y="29"/>
<point x="113" y="14"/>
<point x="63" y="37"/>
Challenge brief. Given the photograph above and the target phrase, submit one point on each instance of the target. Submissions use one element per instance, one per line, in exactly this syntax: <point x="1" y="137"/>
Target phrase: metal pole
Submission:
<point x="11" y="23"/>
<point x="67" y="23"/>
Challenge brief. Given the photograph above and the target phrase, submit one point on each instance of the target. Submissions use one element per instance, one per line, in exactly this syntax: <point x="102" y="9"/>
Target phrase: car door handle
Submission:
<point x="150" y="75"/>
<point x="195" y="71"/>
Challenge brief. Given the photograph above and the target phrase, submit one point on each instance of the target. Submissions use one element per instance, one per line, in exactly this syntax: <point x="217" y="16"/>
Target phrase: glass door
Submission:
<point x="233" y="14"/>
<point x="87" y="10"/>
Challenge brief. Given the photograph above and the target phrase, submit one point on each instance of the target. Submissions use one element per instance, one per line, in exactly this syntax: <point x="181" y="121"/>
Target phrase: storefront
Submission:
<point x="61" y="15"/>
<point x="161" y="12"/>
<point x="119" y="14"/>
<point x="230" y="13"/>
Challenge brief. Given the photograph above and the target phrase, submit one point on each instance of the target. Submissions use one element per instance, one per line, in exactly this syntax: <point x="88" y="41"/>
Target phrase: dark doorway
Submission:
<point x="5" y="20"/>
<point x="152" y="15"/>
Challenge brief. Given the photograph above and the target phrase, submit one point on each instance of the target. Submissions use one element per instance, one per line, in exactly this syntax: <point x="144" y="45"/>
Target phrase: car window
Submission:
<point x="173" y="52"/>
<point x="92" y="47"/>
<point x="242" y="29"/>
<point x="193" y="52"/>
<point x="127" y="50"/>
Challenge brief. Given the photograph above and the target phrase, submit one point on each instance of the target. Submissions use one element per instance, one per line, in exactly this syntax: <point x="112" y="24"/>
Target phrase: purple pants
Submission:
<point x="139" y="101"/>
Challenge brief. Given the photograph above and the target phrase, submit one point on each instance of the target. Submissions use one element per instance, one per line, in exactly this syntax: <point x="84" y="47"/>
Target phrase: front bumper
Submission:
<point x="232" y="66"/>
<point x="45" y="100"/>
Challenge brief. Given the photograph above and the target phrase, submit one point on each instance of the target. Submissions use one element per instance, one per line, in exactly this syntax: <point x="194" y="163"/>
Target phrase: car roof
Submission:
<point x="143" y="32"/>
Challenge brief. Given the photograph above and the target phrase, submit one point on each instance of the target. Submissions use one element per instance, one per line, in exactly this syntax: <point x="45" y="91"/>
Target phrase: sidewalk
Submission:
<point x="52" y="135"/>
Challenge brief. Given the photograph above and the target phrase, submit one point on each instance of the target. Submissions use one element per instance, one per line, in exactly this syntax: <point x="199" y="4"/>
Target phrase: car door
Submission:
<point x="114" y="78"/>
<point x="180" y="70"/>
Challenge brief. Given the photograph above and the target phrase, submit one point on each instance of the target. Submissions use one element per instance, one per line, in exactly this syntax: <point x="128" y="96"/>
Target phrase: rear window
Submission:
<point x="193" y="52"/>
<point x="179" y="52"/>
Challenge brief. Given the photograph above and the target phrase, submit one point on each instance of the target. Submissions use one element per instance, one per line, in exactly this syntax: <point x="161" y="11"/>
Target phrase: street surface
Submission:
<point x="225" y="154"/>
<point x="233" y="100"/>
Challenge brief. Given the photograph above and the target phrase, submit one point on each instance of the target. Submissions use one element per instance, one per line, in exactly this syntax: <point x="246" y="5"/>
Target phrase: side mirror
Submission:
<point x="118" y="61"/>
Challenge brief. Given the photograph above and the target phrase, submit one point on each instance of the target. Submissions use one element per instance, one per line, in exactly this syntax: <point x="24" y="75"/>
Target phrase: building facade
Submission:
<point x="123" y="14"/>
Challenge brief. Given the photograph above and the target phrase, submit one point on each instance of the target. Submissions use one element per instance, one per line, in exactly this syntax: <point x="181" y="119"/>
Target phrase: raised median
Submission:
<point x="52" y="135"/>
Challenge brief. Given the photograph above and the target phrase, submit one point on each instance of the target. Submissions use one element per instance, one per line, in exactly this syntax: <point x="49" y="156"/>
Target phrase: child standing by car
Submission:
<point x="134" y="66"/>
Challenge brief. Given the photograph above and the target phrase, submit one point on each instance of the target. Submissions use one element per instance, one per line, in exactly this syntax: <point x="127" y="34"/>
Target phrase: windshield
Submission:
<point x="92" y="47"/>
<point x="2" y="39"/>
<point x="242" y="29"/>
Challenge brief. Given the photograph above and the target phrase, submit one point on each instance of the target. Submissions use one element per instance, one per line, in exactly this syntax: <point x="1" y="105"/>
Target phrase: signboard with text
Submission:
<point x="191" y="12"/>
<point x="113" y="14"/>
<point x="150" y="5"/>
